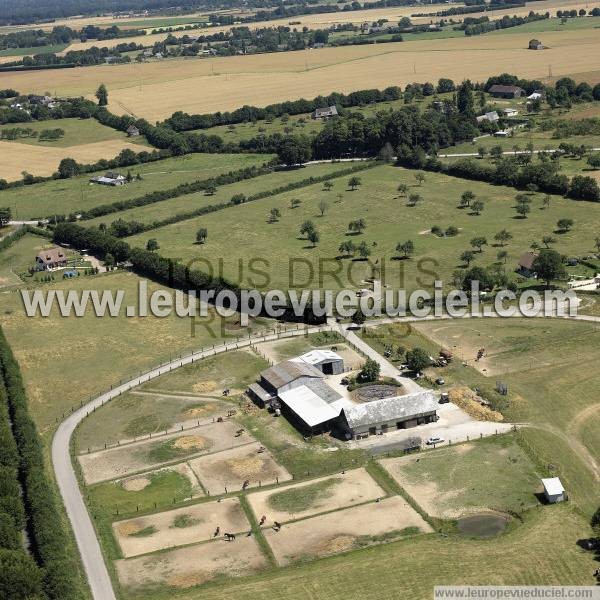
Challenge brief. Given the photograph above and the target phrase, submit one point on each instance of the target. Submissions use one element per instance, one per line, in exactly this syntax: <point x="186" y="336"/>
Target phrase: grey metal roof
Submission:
<point x="390" y="409"/>
<point x="260" y="391"/>
<point x="288" y="371"/>
<point x="326" y="393"/>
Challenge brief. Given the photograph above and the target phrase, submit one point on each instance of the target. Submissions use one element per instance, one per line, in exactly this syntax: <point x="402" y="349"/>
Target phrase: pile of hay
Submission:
<point x="470" y="402"/>
<point x="190" y="442"/>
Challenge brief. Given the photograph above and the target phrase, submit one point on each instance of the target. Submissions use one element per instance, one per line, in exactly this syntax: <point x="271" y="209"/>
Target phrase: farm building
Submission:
<point x="554" y="490"/>
<point x="52" y="258"/>
<point x="381" y="416"/>
<point x="506" y="91"/>
<point x="510" y="112"/>
<point x="327" y="361"/>
<point x="525" y="266"/>
<point x="133" y="131"/>
<point x="109" y="178"/>
<point x="535" y="45"/>
<point x="492" y="117"/>
<point x="325" y="113"/>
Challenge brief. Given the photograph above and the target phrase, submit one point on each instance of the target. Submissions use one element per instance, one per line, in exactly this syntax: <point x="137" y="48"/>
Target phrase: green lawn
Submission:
<point x="553" y="24"/>
<point x="18" y="52"/>
<point x="243" y="232"/>
<point x="77" y="132"/>
<point x="19" y="257"/>
<point x="190" y="202"/>
<point x="70" y="195"/>
<point x="493" y="473"/>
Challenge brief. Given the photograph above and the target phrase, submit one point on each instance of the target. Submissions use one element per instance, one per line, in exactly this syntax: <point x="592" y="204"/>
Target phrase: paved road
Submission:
<point x="85" y="534"/>
<point x="507" y="152"/>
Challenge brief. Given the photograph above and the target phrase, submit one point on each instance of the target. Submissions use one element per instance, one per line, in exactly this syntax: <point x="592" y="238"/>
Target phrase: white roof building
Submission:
<point x="315" y="357"/>
<point x="553" y="489"/>
<point x="535" y="96"/>
<point x="309" y="406"/>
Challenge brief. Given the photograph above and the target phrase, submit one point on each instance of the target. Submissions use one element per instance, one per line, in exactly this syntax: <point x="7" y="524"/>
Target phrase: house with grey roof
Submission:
<point x="387" y="414"/>
<point x="325" y="113"/>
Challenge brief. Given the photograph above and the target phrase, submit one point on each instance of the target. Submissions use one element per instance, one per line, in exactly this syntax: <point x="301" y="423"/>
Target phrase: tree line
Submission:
<point x="57" y="577"/>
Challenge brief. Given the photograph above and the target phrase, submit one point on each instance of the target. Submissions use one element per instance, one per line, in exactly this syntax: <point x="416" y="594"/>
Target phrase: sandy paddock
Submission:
<point x="140" y="482"/>
<point x="341" y="531"/>
<point x="231" y="468"/>
<point x="354" y="487"/>
<point x="203" y="520"/>
<point x="132" y="458"/>
<point x="193" y="565"/>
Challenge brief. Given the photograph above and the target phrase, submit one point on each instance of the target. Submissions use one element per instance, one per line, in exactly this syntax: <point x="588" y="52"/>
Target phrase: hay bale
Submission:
<point x="471" y="403"/>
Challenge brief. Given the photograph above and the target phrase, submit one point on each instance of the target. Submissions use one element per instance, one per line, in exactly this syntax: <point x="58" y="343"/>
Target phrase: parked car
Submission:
<point x="436" y="439"/>
<point x="440" y="381"/>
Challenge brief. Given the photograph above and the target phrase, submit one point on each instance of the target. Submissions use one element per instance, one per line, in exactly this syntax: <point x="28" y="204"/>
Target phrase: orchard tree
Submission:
<point x="420" y="177"/>
<point x="274" y="215"/>
<point x="503" y="237"/>
<point x="306" y="228"/>
<point x="548" y="266"/>
<point x="406" y="248"/>
<point x="479" y="242"/>
<point x="414" y="199"/>
<point x="354" y="182"/>
<point x="201" y="235"/>
<point x="523" y="209"/>
<point x="564" y="225"/>
<point x="466" y="198"/>
<point x="548" y="240"/>
<point x="328" y="186"/>
<point x="347" y="248"/>
<point x="502" y="256"/>
<point x="363" y="250"/>
<point x="477" y="207"/>
<point x="402" y="189"/>
<point x="467" y="257"/>
<point x="323" y="206"/>
<point x="313" y="237"/>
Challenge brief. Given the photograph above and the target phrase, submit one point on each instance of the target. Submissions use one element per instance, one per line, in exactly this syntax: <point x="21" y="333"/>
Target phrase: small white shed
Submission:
<point x="554" y="490"/>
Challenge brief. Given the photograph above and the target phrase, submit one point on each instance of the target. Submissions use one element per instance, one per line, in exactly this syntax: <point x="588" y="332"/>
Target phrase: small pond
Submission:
<point x="483" y="525"/>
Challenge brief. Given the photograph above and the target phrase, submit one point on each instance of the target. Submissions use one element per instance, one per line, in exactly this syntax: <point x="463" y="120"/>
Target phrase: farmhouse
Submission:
<point x="325" y="113"/>
<point x="525" y="266"/>
<point x="381" y="416"/>
<point x="492" y="117"/>
<point x="535" y="45"/>
<point x="133" y="131"/>
<point x="506" y="91"/>
<point x="109" y="178"/>
<point x="554" y="490"/>
<point x="52" y="258"/>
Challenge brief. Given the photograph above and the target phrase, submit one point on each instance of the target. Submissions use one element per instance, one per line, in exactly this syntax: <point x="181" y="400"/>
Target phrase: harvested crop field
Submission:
<point x="315" y="496"/>
<point x="230" y="468"/>
<point x="156" y="90"/>
<point x="194" y="565"/>
<point x="345" y="530"/>
<point x="140" y="456"/>
<point x="187" y="525"/>
<point x="43" y="161"/>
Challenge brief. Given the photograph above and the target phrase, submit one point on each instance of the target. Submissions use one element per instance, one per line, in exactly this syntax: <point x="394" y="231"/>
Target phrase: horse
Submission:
<point x="230" y="537"/>
<point x="217" y="532"/>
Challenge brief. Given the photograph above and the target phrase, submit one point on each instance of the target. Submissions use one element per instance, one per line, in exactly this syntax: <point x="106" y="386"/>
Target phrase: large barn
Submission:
<point x="387" y="414"/>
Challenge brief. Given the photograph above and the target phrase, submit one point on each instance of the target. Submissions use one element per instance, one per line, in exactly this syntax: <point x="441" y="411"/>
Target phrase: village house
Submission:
<point x="506" y="91"/>
<point x="492" y="117"/>
<point x="110" y="178"/>
<point x="52" y="258"/>
<point x="525" y="266"/>
<point x="133" y="131"/>
<point x="325" y="113"/>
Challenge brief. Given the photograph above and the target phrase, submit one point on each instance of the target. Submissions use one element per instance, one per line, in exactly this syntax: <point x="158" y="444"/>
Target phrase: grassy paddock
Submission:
<point x="64" y="196"/>
<point x="243" y="232"/>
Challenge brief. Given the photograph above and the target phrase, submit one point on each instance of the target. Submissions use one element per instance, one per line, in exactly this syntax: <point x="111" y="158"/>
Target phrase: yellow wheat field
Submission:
<point x="43" y="161"/>
<point x="156" y="90"/>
